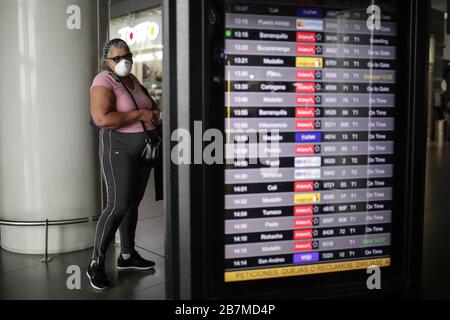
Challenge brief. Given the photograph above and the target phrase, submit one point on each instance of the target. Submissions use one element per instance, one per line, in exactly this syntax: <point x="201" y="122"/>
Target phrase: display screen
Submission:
<point x="310" y="107"/>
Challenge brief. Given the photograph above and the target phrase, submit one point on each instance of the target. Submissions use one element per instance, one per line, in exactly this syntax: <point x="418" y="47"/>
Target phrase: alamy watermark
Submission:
<point x="374" y="280"/>
<point x="73" y="281"/>
<point x="238" y="147"/>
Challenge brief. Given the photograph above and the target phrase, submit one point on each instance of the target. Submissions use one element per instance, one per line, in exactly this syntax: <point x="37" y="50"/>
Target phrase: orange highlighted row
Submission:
<point x="291" y="271"/>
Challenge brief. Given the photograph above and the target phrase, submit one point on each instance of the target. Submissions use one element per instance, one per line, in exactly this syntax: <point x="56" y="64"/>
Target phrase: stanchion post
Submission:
<point x="46" y="259"/>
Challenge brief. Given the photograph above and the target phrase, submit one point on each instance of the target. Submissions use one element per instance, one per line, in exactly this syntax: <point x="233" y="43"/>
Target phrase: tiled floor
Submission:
<point x="25" y="277"/>
<point x="436" y="258"/>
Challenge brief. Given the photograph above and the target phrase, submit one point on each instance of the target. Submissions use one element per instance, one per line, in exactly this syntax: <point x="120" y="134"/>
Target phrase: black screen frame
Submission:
<point x="406" y="231"/>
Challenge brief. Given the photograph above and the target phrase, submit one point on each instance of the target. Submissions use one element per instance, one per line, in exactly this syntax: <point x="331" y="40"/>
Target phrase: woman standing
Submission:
<point x="122" y="139"/>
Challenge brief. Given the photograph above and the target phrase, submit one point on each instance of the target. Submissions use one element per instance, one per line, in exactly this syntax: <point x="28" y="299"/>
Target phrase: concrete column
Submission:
<point x="48" y="153"/>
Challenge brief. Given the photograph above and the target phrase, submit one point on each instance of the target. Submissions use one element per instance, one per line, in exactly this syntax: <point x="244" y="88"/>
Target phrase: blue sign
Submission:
<point x="308" y="137"/>
<point x="310" y="12"/>
<point x="306" y="257"/>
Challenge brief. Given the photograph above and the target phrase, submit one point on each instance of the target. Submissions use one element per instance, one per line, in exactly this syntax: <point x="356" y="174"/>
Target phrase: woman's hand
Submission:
<point x="157" y="117"/>
<point x="146" y="115"/>
<point x="151" y="116"/>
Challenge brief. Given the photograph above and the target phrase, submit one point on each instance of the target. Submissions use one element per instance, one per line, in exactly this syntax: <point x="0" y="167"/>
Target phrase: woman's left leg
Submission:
<point x="130" y="259"/>
<point x="129" y="222"/>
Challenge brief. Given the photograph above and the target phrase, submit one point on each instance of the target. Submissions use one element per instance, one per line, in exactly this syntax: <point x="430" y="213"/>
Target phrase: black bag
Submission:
<point x="151" y="150"/>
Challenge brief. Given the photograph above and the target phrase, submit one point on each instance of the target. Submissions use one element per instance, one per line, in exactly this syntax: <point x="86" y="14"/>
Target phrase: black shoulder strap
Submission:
<point x="134" y="101"/>
<point x="155" y="105"/>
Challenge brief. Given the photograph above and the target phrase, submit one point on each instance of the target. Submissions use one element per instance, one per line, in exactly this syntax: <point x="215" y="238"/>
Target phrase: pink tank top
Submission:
<point x="124" y="102"/>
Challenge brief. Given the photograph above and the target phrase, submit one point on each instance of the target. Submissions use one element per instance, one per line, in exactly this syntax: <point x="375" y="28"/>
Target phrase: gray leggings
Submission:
<point x="126" y="177"/>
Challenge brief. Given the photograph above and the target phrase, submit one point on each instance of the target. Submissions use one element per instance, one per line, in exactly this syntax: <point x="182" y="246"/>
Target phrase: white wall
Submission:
<point x="48" y="152"/>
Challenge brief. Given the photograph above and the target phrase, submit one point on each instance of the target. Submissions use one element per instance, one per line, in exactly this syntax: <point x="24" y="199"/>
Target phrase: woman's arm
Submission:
<point x="104" y="115"/>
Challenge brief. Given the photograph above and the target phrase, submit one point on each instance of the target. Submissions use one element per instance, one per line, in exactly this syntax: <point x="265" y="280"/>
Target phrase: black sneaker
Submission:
<point x="135" y="262"/>
<point x="97" y="277"/>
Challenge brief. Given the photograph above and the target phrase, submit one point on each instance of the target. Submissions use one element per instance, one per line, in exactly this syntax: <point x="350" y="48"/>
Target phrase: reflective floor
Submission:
<point x="436" y="257"/>
<point x="25" y="277"/>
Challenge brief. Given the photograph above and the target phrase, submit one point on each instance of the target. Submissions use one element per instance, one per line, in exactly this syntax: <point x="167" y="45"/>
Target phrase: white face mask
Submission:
<point x="123" y="68"/>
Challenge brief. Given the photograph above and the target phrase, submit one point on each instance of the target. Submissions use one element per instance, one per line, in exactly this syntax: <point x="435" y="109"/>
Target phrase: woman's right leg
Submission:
<point x="117" y="164"/>
<point x="118" y="167"/>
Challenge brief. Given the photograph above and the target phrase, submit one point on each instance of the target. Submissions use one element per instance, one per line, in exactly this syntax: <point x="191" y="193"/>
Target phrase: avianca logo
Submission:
<point x="304" y="124"/>
<point x="304" y="186"/>
<point x="303" y="222"/>
<point x="303" y="210"/>
<point x="306" y="49"/>
<point x="305" y="100"/>
<point x="303" y="246"/>
<point x="304" y="149"/>
<point x="306" y="37"/>
<point x="306" y="75"/>
<point x="303" y="234"/>
<point x="305" y="112"/>
<point x="305" y="87"/>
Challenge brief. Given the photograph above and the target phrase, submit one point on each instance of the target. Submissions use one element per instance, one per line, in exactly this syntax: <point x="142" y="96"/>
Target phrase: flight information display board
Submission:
<point x="318" y="86"/>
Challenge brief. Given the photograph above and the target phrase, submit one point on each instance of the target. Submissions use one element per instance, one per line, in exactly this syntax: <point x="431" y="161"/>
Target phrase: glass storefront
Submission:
<point x="143" y="32"/>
